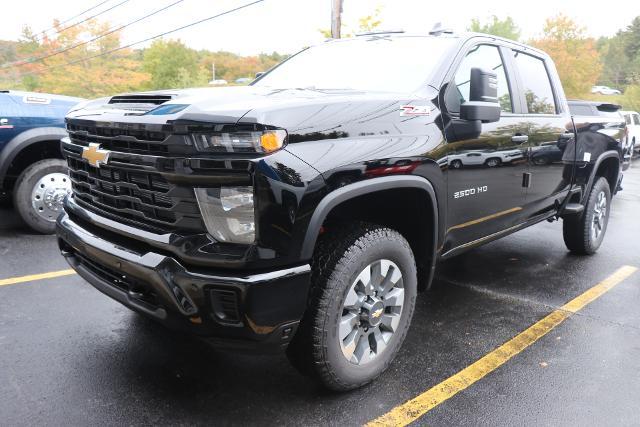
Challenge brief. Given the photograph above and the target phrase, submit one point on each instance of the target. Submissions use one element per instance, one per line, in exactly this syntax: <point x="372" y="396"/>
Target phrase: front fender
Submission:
<point x="360" y="188"/>
<point x="22" y="141"/>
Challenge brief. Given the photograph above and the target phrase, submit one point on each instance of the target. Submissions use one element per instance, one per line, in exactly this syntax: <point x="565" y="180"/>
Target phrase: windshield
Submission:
<point x="388" y="64"/>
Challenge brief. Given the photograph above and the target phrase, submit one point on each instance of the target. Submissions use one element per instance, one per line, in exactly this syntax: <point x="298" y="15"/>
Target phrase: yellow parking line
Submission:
<point x="415" y="408"/>
<point x="32" y="277"/>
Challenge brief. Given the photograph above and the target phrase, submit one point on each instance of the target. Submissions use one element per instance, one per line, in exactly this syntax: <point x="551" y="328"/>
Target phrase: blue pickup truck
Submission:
<point x="31" y="165"/>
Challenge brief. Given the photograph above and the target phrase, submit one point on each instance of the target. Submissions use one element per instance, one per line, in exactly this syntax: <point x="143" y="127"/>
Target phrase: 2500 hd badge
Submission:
<point x="470" y="192"/>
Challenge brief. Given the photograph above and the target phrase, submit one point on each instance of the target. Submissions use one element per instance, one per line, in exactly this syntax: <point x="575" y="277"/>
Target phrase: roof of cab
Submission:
<point x="443" y="32"/>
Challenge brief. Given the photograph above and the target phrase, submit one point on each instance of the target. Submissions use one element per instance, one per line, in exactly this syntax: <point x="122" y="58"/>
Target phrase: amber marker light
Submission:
<point x="272" y="140"/>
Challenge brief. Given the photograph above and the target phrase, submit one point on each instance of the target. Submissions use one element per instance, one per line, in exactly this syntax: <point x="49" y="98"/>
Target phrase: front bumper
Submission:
<point x="232" y="310"/>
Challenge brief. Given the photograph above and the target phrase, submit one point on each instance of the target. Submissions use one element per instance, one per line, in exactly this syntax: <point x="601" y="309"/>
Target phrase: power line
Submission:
<point x="92" y="16"/>
<point x="88" y="58"/>
<point x="43" y="32"/>
<point x="77" y="45"/>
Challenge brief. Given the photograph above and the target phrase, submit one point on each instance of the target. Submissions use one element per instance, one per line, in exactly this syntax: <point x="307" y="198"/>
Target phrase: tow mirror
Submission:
<point x="483" y="102"/>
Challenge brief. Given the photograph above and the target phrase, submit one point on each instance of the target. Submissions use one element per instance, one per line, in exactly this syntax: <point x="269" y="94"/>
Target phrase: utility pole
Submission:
<point x="336" y="18"/>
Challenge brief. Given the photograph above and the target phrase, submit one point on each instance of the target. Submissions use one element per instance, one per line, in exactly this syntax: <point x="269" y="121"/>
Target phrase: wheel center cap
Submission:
<point x="54" y="196"/>
<point x="372" y="313"/>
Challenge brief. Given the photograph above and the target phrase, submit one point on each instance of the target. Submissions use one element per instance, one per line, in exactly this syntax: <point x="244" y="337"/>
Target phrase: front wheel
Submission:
<point x="493" y="162"/>
<point x="456" y="164"/>
<point x="584" y="235"/>
<point x="39" y="192"/>
<point x="364" y="285"/>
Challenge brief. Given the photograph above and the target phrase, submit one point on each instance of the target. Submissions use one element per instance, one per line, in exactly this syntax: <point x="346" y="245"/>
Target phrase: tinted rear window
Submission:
<point x="581" y="110"/>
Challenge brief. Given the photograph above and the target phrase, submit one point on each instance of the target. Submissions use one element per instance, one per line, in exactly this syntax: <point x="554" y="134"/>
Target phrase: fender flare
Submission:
<point x="592" y="175"/>
<point x="22" y="141"/>
<point x="368" y="186"/>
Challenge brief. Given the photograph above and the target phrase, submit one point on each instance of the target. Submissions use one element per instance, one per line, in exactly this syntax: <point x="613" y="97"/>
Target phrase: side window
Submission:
<point x="537" y="87"/>
<point x="481" y="56"/>
<point x="636" y="119"/>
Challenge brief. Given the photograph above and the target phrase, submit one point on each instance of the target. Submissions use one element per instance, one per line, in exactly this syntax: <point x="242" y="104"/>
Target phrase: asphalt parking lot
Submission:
<point x="69" y="355"/>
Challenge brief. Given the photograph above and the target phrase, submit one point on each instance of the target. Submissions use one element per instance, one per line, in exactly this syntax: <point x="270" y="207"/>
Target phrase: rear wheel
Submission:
<point x="39" y="192"/>
<point x="364" y="284"/>
<point x="584" y="235"/>
<point x="456" y="164"/>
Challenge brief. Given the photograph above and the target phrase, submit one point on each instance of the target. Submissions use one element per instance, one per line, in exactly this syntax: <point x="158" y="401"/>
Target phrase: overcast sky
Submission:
<point x="288" y="25"/>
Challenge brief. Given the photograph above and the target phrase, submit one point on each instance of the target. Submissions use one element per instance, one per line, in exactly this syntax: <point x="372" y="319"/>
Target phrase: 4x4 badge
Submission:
<point x="95" y="156"/>
<point x="415" y="110"/>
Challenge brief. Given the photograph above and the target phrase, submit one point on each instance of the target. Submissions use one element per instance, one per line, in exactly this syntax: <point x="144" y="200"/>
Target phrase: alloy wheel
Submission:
<point x="599" y="216"/>
<point x="371" y="312"/>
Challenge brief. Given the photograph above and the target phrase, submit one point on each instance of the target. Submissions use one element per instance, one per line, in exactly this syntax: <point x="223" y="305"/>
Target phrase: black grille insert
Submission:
<point x="131" y="286"/>
<point x="144" y="199"/>
<point x="225" y="305"/>
<point x="140" y="99"/>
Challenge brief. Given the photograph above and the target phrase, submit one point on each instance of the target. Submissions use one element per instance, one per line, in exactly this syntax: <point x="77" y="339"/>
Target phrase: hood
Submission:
<point x="251" y="104"/>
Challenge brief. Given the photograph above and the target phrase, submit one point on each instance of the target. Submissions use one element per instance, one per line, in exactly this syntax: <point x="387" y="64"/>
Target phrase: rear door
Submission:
<point x="548" y="128"/>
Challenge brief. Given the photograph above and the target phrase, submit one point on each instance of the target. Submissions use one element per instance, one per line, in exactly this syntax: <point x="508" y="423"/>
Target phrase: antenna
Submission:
<point x="438" y="30"/>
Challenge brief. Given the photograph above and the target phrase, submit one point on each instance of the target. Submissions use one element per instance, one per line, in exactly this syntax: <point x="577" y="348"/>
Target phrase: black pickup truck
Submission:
<point x="306" y="210"/>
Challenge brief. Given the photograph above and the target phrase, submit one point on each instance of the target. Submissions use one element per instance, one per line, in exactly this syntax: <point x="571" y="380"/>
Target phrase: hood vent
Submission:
<point x="140" y="99"/>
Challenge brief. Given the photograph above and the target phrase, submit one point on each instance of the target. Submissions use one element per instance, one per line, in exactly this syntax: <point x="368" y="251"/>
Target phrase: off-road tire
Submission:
<point x="577" y="230"/>
<point x="24" y="187"/>
<point x="341" y="254"/>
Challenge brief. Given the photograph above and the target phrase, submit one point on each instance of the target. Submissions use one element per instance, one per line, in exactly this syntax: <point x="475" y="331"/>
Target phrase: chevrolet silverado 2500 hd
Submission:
<point x="306" y="210"/>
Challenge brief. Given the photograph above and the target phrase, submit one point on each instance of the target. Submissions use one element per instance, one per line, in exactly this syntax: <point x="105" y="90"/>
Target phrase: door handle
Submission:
<point x="520" y="139"/>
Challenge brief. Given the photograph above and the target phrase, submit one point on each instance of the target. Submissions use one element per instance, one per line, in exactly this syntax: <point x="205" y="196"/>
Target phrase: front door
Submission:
<point x="486" y="167"/>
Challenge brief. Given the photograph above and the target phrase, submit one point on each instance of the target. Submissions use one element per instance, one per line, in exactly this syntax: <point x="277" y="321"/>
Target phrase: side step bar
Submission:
<point x="572" y="209"/>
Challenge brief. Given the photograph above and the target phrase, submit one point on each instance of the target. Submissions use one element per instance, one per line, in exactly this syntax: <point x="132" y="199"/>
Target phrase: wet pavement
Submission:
<point x="69" y="355"/>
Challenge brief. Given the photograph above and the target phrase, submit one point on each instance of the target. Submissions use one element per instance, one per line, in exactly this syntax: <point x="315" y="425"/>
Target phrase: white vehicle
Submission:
<point x="490" y="159"/>
<point x="605" y="90"/>
<point x="632" y="118"/>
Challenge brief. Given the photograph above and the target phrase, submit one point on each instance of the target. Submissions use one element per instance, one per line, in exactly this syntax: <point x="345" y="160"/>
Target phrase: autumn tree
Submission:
<point x="574" y="54"/>
<point x="506" y="28"/>
<point x="230" y="66"/>
<point x="632" y="42"/>
<point x="615" y="62"/>
<point x="172" y="65"/>
<point x="73" y="63"/>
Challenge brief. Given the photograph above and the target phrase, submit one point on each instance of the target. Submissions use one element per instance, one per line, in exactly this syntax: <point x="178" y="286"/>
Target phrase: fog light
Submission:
<point x="228" y="213"/>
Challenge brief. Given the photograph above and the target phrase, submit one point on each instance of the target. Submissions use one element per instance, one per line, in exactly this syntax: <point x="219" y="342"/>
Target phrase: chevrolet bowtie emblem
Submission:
<point x="95" y="156"/>
<point x="377" y="313"/>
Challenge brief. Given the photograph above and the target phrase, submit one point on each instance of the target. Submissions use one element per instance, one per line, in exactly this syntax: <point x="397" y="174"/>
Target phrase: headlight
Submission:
<point x="240" y="142"/>
<point x="228" y="213"/>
